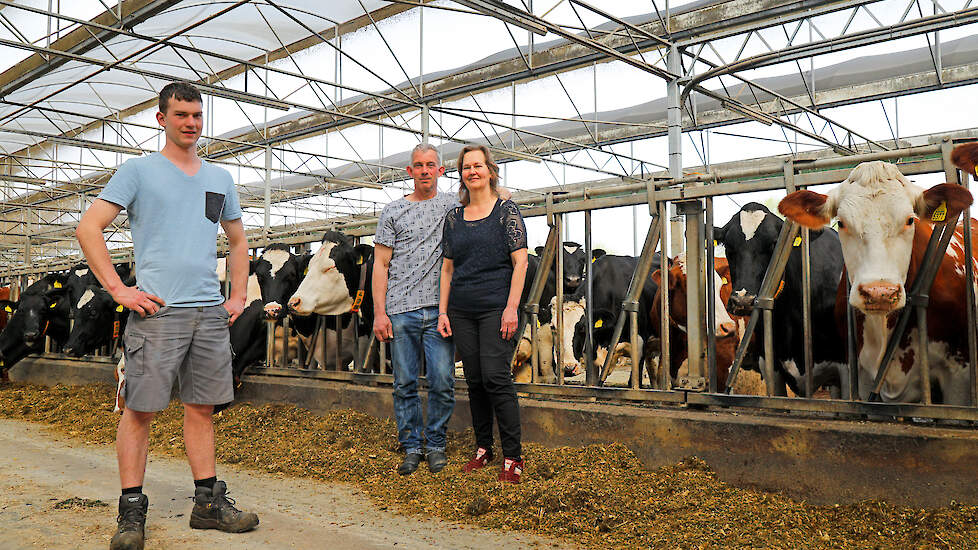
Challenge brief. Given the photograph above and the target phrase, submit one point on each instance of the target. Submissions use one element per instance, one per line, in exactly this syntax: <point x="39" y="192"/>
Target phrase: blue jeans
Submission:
<point x="416" y="332"/>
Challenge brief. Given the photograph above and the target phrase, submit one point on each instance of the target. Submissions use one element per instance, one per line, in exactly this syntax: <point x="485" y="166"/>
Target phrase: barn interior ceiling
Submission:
<point x="314" y="106"/>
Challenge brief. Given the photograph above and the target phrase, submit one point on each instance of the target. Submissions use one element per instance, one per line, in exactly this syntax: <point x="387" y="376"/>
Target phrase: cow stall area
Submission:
<point x="749" y="317"/>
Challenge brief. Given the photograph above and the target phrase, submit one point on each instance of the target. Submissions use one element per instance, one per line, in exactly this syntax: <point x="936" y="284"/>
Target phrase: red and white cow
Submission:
<point x="884" y="226"/>
<point x="725" y="327"/>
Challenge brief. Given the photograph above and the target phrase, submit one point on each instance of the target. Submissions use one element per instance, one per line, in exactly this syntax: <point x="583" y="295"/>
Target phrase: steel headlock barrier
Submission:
<point x="658" y="194"/>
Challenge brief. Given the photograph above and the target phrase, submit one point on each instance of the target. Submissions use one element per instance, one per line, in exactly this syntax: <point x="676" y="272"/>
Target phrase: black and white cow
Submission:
<point x="749" y="239"/>
<point x="611" y="274"/>
<point x="96" y="314"/>
<point x="331" y="287"/>
<point x="574" y="264"/>
<point x="41" y="311"/>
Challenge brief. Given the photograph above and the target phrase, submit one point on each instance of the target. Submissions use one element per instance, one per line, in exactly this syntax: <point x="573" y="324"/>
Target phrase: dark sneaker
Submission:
<point x="511" y="471"/>
<point x="437" y="460"/>
<point x="214" y="510"/>
<point x="409" y="464"/>
<point x="132" y="523"/>
<point x="480" y="460"/>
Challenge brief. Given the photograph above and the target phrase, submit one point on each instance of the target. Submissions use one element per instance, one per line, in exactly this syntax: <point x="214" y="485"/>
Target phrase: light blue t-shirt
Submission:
<point x="173" y="218"/>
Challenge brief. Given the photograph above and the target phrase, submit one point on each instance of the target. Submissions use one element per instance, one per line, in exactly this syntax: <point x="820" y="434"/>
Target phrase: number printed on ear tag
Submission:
<point x="940" y="214"/>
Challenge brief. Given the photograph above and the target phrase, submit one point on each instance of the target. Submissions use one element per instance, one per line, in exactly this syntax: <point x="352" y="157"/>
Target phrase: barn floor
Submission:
<point x="56" y="492"/>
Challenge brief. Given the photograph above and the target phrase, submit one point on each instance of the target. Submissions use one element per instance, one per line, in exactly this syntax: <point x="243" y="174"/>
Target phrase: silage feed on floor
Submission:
<point x="598" y="496"/>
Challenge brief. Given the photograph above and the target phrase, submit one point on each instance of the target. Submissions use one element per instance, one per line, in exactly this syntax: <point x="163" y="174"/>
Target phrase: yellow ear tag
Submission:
<point x="57" y="284"/>
<point x="357" y="301"/>
<point x="598" y="323"/>
<point x="119" y="308"/>
<point x="54" y="305"/>
<point x="305" y="271"/>
<point x="715" y="243"/>
<point x="8" y="309"/>
<point x="940" y="214"/>
<point x="359" y="260"/>
<point x="724" y="281"/>
<point x="780" y="288"/>
<point x="797" y="242"/>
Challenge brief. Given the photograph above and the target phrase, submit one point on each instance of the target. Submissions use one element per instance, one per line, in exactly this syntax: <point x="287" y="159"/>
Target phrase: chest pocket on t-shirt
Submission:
<point x="213" y="206"/>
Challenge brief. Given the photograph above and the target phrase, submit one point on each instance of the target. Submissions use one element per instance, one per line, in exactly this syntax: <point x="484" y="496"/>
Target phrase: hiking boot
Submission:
<point x="511" y="471"/>
<point x="132" y="523"/>
<point x="481" y="458"/>
<point x="409" y="464"/>
<point x="214" y="510"/>
<point x="437" y="460"/>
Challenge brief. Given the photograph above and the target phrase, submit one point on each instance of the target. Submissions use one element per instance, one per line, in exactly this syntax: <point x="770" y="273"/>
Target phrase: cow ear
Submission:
<point x="942" y="201"/>
<point x="597" y="253"/>
<point x="965" y="157"/>
<point x="657" y="277"/>
<point x="363" y="252"/>
<point x="807" y="208"/>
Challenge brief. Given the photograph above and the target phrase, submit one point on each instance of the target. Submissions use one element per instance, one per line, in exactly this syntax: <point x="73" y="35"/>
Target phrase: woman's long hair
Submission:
<point x="463" y="191"/>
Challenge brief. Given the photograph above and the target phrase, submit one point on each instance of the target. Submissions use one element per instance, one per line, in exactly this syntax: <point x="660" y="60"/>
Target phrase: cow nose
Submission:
<point x="68" y="350"/>
<point x="740" y="304"/>
<point x="294" y="302"/>
<point x="726" y="330"/>
<point x="30" y="335"/>
<point x="880" y="295"/>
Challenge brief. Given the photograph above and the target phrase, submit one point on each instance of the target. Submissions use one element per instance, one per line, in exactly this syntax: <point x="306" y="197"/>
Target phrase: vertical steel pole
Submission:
<point x="693" y="212"/>
<point x="711" y="315"/>
<point x="970" y="276"/>
<point x="675" y="134"/>
<point x="923" y="361"/>
<point x="806" y="310"/>
<point x="338" y="352"/>
<point x="559" y="299"/>
<point x="665" y="359"/>
<point x="591" y="373"/>
<point x="285" y="343"/>
<point x="852" y="353"/>
<point x="268" y="194"/>
<point x="769" y="351"/>
<point x="270" y="343"/>
<point x="633" y="344"/>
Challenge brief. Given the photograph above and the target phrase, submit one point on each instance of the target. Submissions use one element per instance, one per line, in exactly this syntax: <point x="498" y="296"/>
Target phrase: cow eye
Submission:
<point x="842" y="224"/>
<point x="909" y="221"/>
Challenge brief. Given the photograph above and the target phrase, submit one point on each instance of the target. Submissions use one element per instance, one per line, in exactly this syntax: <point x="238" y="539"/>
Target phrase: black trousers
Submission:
<point x="485" y="360"/>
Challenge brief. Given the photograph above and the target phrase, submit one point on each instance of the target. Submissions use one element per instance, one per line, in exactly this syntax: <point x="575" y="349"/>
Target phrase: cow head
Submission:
<point x="723" y="325"/>
<point x="573" y="312"/>
<point x="333" y="278"/>
<point x="748" y="240"/>
<point x="279" y="273"/>
<point x="574" y="264"/>
<point x="95" y="315"/>
<point x="878" y="209"/>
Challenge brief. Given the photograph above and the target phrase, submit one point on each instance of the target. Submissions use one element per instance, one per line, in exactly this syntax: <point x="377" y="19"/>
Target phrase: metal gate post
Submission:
<point x="711" y="291"/>
<point x="270" y="342"/>
<point x="852" y="352"/>
<point x="591" y="373"/>
<point x="558" y="320"/>
<point x="693" y="212"/>
<point x="285" y="342"/>
<point x="665" y="358"/>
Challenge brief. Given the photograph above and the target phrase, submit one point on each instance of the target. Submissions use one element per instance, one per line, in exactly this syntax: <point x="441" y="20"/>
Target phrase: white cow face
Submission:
<point x="324" y="291"/>
<point x="573" y="312"/>
<point x="878" y="209"/>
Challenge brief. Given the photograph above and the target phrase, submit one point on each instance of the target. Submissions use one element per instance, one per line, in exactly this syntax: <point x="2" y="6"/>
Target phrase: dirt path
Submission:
<point x="39" y="469"/>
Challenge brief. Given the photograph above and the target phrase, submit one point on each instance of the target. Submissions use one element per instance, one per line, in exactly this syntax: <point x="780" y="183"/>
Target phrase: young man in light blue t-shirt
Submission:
<point x="179" y="331"/>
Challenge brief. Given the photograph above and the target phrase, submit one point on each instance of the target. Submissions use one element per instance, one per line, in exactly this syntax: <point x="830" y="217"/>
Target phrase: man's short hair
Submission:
<point x="424" y="148"/>
<point x="182" y="91"/>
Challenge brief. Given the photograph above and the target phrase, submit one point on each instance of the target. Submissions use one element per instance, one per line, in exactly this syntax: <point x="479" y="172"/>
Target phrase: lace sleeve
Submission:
<point x="513" y="226"/>
<point x="446" y="235"/>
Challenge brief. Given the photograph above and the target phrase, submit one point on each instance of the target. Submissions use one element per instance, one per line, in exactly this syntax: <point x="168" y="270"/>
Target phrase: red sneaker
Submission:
<point x="511" y="471"/>
<point x="480" y="460"/>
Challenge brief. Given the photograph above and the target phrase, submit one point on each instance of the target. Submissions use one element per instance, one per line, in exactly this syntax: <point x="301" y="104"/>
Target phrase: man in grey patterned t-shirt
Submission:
<point x="407" y="267"/>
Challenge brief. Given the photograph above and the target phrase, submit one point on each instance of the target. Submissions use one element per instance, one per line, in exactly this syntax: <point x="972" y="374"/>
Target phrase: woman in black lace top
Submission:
<point x="482" y="275"/>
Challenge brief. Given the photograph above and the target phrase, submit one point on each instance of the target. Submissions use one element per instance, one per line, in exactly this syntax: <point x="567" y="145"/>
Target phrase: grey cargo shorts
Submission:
<point x="190" y="345"/>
